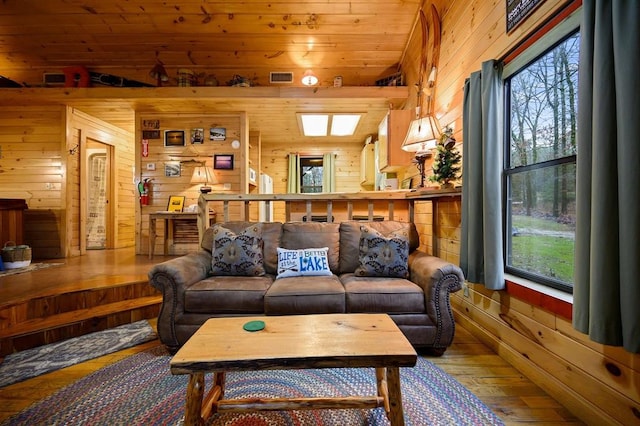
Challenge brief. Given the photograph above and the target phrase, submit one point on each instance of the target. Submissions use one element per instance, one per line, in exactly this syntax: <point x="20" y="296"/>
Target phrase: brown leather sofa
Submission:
<point x="419" y="305"/>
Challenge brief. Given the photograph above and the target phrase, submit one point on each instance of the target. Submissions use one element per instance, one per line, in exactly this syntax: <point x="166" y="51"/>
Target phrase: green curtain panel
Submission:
<point x="329" y="172"/>
<point x="607" y="258"/>
<point x="293" y="177"/>
<point x="481" y="256"/>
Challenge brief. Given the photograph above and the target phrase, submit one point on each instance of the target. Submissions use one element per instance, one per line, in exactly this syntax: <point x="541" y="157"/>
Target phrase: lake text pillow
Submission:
<point x="295" y="263"/>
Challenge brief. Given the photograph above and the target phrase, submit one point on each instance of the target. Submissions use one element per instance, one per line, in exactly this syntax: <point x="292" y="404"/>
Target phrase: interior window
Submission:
<point x="540" y="170"/>
<point x="311" y="174"/>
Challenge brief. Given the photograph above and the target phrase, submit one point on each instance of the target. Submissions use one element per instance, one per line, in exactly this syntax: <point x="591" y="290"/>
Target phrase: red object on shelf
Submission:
<point x="79" y="72"/>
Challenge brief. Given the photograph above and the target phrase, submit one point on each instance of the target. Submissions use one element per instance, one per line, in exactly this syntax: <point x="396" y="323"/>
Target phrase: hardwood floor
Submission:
<point x="514" y="398"/>
<point x="510" y="395"/>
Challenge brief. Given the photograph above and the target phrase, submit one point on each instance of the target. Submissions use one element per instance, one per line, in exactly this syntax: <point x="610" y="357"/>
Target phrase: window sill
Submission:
<point x="548" y="298"/>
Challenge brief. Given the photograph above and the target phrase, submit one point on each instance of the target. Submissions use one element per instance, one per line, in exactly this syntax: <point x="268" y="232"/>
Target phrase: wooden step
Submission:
<point x="52" y="318"/>
<point x="79" y="315"/>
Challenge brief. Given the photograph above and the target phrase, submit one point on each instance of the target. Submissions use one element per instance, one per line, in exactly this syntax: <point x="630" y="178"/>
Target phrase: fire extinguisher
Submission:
<point x="144" y="188"/>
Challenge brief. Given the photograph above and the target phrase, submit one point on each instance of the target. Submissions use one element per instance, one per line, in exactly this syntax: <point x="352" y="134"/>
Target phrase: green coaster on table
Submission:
<point x="254" y="326"/>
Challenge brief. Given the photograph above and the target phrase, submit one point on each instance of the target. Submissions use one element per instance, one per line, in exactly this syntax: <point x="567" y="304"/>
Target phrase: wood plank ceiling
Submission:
<point x="360" y="40"/>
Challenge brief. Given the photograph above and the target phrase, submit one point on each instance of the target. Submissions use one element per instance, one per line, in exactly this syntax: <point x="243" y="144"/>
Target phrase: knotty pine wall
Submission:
<point x="599" y="384"/>
<point x="86" y="131"/>
<point x="32" y="168"/>
<point x="275" y="162"/>
<point x="36" y="165"/>
<point x="162" y="186"/>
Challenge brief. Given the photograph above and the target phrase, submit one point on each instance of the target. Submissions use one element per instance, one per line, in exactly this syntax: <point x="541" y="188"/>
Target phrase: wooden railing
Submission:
<point x="329" y="207"/>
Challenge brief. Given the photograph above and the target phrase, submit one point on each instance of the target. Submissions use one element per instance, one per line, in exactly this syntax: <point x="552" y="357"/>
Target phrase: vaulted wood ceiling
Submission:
<point x="360" y="40"/>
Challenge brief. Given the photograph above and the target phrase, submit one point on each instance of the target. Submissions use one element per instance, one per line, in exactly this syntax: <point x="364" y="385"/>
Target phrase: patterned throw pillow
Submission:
<point x="237" y="254"/>
<point x="381" y="256"/>
<point x="311" y="261"/>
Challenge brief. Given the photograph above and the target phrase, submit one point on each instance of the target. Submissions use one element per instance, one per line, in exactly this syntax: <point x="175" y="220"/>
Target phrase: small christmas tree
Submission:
<point x="446" y="164"/>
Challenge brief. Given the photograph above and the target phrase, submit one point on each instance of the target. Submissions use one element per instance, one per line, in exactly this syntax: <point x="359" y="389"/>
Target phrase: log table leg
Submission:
<point x="195" y="392"/>
<point x="152" y="235"/>
<point x="396" y="416"/>
<point x="383" y="390"/>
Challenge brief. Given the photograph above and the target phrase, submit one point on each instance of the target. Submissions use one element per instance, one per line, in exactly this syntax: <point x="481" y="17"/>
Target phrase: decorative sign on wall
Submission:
<point x="150" y="124"/>
<point x="151" y="134"/>
<point x="518" y="10"/>
<point x="145" y="147"/>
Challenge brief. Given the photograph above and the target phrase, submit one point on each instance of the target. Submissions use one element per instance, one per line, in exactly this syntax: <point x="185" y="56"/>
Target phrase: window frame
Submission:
<point x="543" y="45"/>
<point x="301" y="172"/>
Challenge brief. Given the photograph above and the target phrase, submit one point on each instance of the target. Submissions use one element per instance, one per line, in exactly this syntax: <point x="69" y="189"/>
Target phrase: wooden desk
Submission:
<point x="291" y="342"/>
<point x="168" y="218"/>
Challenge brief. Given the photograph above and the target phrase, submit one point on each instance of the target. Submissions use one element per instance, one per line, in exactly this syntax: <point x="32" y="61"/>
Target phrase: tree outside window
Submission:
<point x="540" y="166"/>
<point x="311" y="170"/>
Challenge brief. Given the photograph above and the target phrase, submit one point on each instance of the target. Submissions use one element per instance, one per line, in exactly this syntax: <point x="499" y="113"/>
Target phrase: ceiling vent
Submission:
<point x="281" y="77"/>
<point x="53" y="78"/>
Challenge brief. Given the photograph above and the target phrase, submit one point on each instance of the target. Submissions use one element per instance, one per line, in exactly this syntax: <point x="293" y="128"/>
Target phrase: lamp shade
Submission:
<point x="423" y="134"/>
<point x="205" y="176"/>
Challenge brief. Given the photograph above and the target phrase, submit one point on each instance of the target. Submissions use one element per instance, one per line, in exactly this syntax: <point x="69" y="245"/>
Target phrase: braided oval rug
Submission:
<point x="140" y="390"/>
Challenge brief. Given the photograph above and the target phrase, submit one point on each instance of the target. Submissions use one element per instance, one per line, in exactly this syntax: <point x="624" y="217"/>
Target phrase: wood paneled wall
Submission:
<point x="186" y="158"/>
<point x="39" y="164"/>
<point x="599" y="384"/>
<point x="84" y="131"/>
<point x="275" y="163"/>
<point x="32" y="168"/>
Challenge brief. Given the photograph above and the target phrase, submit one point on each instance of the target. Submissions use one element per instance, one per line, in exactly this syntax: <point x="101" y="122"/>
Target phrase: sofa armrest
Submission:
<point x="438" y="279"/>
<point x="172" y="278"/>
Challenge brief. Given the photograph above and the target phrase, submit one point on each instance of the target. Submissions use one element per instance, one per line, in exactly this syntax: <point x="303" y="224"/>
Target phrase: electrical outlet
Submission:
<point x="151" y="166"/>
<point x="226" y="186"/>
<point x="465" y="290"/>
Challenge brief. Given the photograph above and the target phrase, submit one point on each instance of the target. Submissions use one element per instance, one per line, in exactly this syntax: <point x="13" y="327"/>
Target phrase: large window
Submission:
<point x="540" y="165"/>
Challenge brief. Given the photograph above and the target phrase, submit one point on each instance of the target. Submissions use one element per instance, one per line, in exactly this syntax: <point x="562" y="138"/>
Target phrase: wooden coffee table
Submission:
<point x="294" y="342"/>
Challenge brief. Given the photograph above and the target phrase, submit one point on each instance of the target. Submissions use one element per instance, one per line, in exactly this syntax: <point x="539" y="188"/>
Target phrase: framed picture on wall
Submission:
<point x="172" y="169"/>
<point x="217" y="134"/>
<point x="174" y="138"/>
<point x="223" y="161"/>
<point x="197" y="135"/>
<point x="176" y="203"/>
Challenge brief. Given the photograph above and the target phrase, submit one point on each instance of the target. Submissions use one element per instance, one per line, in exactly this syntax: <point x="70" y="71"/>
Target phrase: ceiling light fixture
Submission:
<point x="309" y="78"/>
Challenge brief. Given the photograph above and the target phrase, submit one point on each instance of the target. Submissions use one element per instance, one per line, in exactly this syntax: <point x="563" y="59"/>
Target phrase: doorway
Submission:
<point x="98" y="229"/>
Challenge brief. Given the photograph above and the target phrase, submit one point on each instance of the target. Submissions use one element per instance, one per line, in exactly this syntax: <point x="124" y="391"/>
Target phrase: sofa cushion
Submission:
<point x="308" y="262"/>
<point x="382" y="294"/>
<point x="305" y="295"/>
<point x="382" y="256"/>
<point x="227" y="295"/>
<point x="350" y="240"/>
<point x="300" y="235"/>
<point x="270" y="236"/>
<point x="239" y="254"/>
